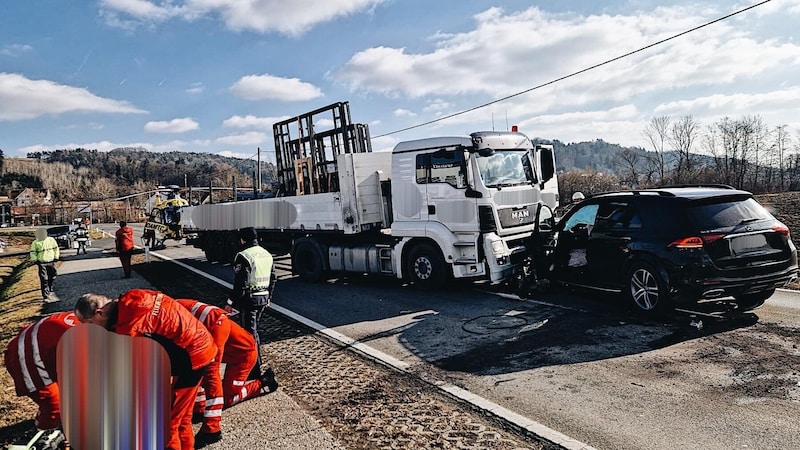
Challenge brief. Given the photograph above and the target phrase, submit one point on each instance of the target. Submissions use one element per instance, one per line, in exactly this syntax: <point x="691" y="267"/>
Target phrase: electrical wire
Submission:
<point x="608" y="61"/>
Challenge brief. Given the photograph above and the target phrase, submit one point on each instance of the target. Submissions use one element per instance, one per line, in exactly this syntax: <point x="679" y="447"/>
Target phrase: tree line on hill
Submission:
<point x="744" y="153"/>
<point x="82" y="174"/>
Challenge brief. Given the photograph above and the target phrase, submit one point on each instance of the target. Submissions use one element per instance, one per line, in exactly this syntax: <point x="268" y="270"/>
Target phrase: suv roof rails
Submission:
<point x="701" y="185"/>
<point x="658" y="192"/>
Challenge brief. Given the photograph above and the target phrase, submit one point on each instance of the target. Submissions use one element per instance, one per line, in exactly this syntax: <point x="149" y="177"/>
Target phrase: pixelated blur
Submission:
<point x="115" y="390"/>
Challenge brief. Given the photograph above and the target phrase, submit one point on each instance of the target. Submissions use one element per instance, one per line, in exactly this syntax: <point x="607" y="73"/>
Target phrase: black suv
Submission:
<point x="62" y="234"/>
<point x="674" y="247"/>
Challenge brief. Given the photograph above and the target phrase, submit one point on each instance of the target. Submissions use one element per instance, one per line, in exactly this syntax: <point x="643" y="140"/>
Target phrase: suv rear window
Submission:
<point x="727" y="214"/>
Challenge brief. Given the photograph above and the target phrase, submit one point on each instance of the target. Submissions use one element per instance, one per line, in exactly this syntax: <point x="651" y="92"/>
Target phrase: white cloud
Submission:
<point x="101" y="146"/>
<point x="251" y="121"/>
<point x="180" y="146"/>
<point x="22" y="98"/>
<point x="621" y="125"/>
<point x="506" y="54"/>
<point x="231" y="154"/>
<point x="196" y="88"/>
<point x="15" y="50"/>
<point x="404" y="113"/>
<point x="287" y="17"/>
<point x="777" y="107"/>
<point x="268" y="87"/>
<point x="781" y="7"/>
<point x="180" y="125"/>
<point x="249" y="138"/>
<point x="384" y="143"/>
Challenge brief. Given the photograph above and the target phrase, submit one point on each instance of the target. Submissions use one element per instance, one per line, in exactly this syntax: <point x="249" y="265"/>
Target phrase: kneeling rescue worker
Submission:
<point x="142" y="312"/>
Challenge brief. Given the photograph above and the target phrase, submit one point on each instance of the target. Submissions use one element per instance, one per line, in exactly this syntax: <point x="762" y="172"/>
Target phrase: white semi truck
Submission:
<point x="428" y="211"/>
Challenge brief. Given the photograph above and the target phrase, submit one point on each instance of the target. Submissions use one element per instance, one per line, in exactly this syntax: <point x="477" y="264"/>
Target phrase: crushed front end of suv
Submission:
<point x="674" y="247"/>
<point x="62" y="234"/>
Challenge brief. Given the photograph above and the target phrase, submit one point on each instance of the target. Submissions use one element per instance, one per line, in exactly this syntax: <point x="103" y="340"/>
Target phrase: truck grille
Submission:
<point x="515" y="217"/>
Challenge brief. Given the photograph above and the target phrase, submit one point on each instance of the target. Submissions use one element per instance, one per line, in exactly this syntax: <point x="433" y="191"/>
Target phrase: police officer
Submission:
<point x="252" y="285"/>
<point x="45" y="252"/>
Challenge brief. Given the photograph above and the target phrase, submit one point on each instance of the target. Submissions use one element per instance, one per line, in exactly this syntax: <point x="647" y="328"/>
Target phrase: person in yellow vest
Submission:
<point x="253" y="284"/>
<point x="45" y="253"/>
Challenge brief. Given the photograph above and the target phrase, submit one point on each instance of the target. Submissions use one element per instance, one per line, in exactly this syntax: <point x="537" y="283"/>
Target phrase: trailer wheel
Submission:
<point x="307" y="262"/>
<point x="425" y="267"/>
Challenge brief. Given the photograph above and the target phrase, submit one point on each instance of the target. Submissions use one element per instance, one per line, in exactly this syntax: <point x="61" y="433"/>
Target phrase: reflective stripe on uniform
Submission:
<point x="212" y="413"/>
<point x="37" y="357"/>
<point x="201" y="316"/>
<point x="215" y="401"/>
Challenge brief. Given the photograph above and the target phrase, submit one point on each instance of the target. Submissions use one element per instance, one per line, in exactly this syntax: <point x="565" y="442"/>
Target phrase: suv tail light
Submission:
<point x="781" y="229"/>
<point x="695" y="241"/>
<point x="687" y="242"/>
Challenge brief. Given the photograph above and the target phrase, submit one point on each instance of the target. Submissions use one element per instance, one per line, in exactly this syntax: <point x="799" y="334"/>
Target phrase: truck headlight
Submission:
<point x="499" y="247"/>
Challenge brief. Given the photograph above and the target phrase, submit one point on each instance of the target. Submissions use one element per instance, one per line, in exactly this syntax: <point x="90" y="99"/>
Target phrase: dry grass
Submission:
<point x="20" y="305"/>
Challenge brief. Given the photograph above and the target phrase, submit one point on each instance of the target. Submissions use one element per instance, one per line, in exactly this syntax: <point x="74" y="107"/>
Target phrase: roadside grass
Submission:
<point x="20" y="304"/>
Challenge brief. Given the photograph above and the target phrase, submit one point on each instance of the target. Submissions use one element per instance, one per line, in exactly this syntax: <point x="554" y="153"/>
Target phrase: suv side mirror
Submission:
<point x="545" y="220"/>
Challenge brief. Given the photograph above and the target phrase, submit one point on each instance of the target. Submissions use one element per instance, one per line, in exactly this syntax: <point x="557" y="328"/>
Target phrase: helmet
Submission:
<point x="578" y="196"/>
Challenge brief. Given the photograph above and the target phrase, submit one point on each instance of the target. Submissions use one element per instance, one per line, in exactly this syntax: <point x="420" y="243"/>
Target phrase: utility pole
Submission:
<point x="258" y="173"/>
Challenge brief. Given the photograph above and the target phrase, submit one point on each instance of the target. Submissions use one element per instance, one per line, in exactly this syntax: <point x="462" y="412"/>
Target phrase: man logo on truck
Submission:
<point x="520" y="215"/>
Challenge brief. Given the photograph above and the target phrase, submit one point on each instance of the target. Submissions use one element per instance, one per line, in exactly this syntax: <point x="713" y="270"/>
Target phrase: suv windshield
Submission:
<point x="727" y="214"/>
<point x="506" y="168"/>
<point x="57" y="231"/>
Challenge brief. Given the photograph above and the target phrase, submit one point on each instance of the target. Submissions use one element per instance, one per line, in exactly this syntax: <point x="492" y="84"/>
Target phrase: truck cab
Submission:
<point x="473" y="198"/>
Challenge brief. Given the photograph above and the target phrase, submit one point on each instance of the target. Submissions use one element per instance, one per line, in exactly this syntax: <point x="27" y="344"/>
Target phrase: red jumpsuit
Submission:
<point x="142" y="312"/>
<point x="237" y="349"/>
<point x="30" y="359"/>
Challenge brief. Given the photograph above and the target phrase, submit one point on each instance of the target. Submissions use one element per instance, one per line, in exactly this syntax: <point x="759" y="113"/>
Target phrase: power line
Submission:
<point x="608" y="61"/>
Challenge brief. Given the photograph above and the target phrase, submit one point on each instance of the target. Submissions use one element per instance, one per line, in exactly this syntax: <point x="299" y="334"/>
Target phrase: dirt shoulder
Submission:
<point x="785" y="206"/>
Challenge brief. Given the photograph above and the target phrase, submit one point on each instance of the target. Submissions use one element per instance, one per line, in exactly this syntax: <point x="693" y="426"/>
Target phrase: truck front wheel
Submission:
<point x="426" y="267"/>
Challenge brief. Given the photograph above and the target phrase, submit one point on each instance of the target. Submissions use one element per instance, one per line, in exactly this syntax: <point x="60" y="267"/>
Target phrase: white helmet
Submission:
<point x="578" y="196"/>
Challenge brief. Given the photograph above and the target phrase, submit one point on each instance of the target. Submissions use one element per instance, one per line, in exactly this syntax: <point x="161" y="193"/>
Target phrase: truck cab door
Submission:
<point x="446" y="191"/>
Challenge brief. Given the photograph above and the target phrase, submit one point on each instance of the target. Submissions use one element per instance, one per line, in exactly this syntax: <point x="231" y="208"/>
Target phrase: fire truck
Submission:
<point x="429" y="211"/>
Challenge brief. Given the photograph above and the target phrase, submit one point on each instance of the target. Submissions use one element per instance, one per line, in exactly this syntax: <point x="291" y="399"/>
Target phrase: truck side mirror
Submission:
<point x="548" y="162"/>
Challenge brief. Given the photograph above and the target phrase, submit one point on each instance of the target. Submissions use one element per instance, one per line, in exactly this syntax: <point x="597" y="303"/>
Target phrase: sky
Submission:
<point x="214" y="75"/>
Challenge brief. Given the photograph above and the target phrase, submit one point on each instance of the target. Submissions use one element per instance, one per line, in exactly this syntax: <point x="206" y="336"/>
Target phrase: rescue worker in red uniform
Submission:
<point x="237" y="349"/>
<point x="124" y="245"/>
<point x="142" y="312"/>
<point x="30" y="359"/>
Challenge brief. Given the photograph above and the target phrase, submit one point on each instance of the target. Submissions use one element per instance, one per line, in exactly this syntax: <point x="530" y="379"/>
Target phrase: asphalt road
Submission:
<point x="579" y="364"/>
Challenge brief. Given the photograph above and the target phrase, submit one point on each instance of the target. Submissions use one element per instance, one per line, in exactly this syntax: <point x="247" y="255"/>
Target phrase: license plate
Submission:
<point x="747" y="244"/>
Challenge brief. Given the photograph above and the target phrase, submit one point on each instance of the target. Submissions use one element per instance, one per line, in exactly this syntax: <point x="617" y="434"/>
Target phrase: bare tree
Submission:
<point x="683" y="135"/>
<point x="657" y="133"/>
<point x="781" y="152"/>
<point x="629" y="163"/>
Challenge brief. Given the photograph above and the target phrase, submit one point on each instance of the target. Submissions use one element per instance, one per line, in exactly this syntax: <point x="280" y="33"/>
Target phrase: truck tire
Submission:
<point x="307" y="261"/>
<point x="425" y="267"/>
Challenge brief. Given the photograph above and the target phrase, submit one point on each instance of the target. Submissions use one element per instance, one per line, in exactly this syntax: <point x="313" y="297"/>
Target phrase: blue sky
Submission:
<point x="214" y="75"/>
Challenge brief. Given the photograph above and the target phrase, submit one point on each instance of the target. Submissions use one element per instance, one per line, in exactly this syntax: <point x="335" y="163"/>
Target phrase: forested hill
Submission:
<point x="597" y="155"/>
<point x="91" y="174"/>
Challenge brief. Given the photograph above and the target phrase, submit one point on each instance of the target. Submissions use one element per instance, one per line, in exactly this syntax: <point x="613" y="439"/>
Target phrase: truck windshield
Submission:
<point x="506" y="168"/>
